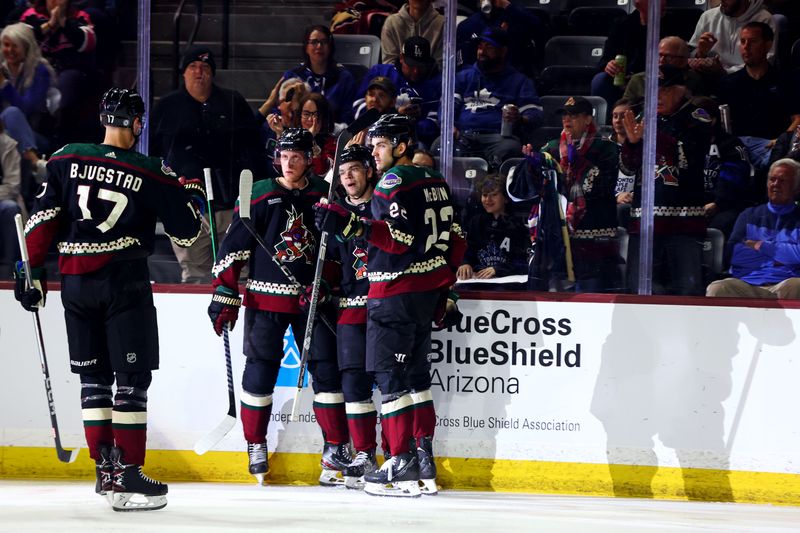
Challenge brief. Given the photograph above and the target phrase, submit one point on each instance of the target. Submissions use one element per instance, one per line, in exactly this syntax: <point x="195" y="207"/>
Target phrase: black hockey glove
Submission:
<point x="447" y="314"/>
<point x="31" y="298"/>
<point x="324" y="296"/>
<point x="224" y="308"/>
<point x="346" y="225"/>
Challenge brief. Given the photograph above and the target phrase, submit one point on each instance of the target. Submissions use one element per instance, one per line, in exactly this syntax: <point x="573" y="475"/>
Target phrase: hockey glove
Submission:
<point x="197" y="194"/>
<point x="448" y="315"/>
<point x="224" y="308"/>
<point x="347" y="224"/>
<point x="324" y="296"/>
<point x="31" y="298"/>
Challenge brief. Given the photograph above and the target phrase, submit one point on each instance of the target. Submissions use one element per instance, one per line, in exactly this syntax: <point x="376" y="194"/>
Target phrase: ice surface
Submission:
<point x="205" y="507"/>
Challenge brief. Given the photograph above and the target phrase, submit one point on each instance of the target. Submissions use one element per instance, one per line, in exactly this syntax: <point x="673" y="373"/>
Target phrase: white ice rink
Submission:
<point x="204" y="507"/>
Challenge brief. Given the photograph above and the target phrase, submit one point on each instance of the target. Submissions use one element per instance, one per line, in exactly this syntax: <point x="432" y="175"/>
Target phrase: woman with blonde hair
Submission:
<point x="27" y="81"/>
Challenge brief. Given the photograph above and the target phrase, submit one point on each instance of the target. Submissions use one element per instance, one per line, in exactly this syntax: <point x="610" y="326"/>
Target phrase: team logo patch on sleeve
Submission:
<point x="166" y="170"/>
<point x="390" y="181"/>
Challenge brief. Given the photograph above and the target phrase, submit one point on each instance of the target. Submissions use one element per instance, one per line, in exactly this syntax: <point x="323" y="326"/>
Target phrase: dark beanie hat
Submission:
<point x="198" y="53"/>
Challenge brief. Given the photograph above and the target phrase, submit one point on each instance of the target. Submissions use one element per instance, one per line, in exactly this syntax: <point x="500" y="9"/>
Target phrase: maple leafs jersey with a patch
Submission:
<point x="101" y="202"/>
<point x="285" y="220"/>
<point x="414" y="244"/>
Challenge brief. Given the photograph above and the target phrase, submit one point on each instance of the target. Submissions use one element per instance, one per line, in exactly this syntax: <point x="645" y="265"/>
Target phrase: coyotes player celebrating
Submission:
<point x="100" y="202"/>
<point x="414" y="249"/>
<point x="282" y="215"/>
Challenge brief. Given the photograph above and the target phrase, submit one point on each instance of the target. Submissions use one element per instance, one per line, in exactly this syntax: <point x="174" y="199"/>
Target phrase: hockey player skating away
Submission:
<point x="357" y="175"/>
<point x="282" y="215"/>
<point x="100" y="202"/>
<point x="414" y="249"/>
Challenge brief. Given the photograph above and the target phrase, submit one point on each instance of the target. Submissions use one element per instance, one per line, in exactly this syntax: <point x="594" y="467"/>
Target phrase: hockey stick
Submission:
<point x="245" y="197"/>
<point x="222" y="429"/>
<point x="65" y="456"/>
<point x="359" y="124"/>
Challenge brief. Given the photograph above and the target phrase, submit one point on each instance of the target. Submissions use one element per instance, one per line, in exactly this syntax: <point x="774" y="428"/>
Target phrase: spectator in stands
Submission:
<point x="282" y="109"/>
<point x="628" y="37"/>
<point x="727" y="173"/>
<point x="765" y="242"/>
<point x="763" y="100"/>
<point x="27" y="81"/>
<point x="9" y="203"/>
<point x="496" y="241"/>
<point x="679" y="226"/>
<point x="315" y="116"/>
<point x="66" y="36"/>
<point x="716" y="36"/>
<point x="415" y="18"/>
<point x="527" y="35"/>
<point x="381" y="94"/>
<point x="624" y="188"/>
<point x="321" y="72"/>
<point x="419" y="86"/>
<point x="482" y="91"/>
<point x="423" y="158"/>
<point x="787" y="145"/>
<point x="673" y="51"/>
<point x="202" y="125"/>
<point x="589" y="166"/>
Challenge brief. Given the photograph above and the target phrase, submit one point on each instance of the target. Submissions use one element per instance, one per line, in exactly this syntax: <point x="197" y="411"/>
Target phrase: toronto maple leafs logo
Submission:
<point x="480" y="100"/>
<point x="297" y="242"/>
<point x="360" y="264"/>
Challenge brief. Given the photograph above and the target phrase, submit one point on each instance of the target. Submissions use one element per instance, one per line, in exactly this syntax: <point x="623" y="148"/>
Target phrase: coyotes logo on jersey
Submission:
<point x="360" y="264"/>
<point x="297" y="242"/>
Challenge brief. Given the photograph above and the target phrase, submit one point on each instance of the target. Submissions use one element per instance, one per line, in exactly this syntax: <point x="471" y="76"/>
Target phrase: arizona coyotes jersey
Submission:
<point x="352" y="258"/>
<point x="101" y="202"/>
<point x="284" y="219"/>
<point x="414" y="244"/>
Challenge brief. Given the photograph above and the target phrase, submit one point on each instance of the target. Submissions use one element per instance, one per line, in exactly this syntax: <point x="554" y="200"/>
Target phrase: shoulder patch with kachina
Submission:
<point x="701" y="115"/>
<point x="390" y="181"/>
<point x="166" y="170"/>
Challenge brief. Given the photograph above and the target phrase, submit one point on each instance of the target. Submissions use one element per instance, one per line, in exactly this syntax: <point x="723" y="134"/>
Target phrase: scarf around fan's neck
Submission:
<point x="572" y="153"/>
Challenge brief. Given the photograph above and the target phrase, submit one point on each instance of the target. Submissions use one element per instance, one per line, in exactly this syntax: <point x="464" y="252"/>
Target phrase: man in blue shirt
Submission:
<point x="766" y="242"/>
<point x="482" y="90"/>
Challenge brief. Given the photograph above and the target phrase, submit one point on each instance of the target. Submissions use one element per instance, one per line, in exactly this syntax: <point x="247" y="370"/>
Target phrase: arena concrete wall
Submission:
<point x="571" y="394"/>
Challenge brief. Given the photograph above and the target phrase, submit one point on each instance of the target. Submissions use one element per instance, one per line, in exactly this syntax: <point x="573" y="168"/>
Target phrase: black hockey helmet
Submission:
<point x="357" y="152"/>
<point x="398" y="128"/>
<point x="120" y="106"/>
<point x="297" y="140"/>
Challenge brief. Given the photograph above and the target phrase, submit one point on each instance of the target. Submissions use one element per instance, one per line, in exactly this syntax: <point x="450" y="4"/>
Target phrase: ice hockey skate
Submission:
<point x="398" y="477"/>
<point x="427" y="466"/>
<point x="104" y="470"/>
<point x="133" y="491"/>
<point x="259" y="464"/>
<point x="335" y="459"/>
<point x="363" y="463"/>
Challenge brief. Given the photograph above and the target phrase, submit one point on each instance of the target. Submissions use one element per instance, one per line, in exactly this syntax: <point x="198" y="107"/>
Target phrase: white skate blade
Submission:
<point x="354" y="482"/>
<point x="331" y="478"/>
<point x="395" y="489"/>
<point x="428" y="487"/>
<point x="133" y="501"/>
<point x="259" y="478"/>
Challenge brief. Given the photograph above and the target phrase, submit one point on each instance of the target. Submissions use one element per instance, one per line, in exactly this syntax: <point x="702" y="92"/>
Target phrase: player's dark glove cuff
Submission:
<point x="31" y="298"/>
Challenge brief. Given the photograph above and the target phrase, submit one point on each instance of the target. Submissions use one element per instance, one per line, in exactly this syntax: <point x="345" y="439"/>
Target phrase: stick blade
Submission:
<point x="296" y="404"/>
<point x="67" y="456"/>
<point x="216" y="435"/>
<point x="245" y="192"/>
<point x="368" y="118"/>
